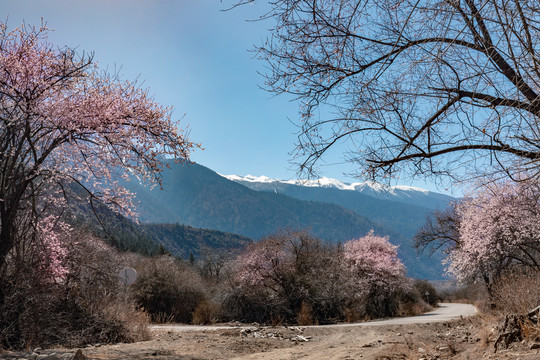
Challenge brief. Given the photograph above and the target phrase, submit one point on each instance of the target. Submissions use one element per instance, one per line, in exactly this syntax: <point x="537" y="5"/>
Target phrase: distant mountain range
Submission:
<point x="197" y="196"/>
<point x="404" y="194"/>
<point x="400" y="208"/>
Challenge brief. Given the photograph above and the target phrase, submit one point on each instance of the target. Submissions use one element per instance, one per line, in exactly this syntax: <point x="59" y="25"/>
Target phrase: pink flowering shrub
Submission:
<point x="52" y="251"/>
<point x="287" y="273"/>
<point x="379" y="276"/>
<point x="373" y="259"/>
<point x="275" y="276"/>
<point x="75" y="302"/>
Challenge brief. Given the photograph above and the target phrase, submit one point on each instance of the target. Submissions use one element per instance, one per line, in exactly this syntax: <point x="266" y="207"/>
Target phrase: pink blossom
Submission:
<point x="63" y="121"/>
<point x="52" y="253"/>
<point x="373" y="260"/>
<point x="498" y="228"/>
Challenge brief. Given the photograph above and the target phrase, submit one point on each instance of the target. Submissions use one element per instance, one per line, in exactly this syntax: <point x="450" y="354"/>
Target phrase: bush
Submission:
<point x="167" y="289"/>
<point x="517" y="292"/>
<point x="205" y="313"/>
<point x="294" y="277"/>
<point x="83" y="307"/>
<point x="275" y="276"/>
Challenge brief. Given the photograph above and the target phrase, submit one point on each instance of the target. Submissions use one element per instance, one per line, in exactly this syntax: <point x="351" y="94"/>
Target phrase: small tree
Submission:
<point x="278" y="274"/>
<point x="378" y="274"/>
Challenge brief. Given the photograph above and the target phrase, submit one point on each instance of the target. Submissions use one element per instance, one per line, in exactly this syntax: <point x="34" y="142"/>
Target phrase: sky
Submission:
<point x="198" y="59"/>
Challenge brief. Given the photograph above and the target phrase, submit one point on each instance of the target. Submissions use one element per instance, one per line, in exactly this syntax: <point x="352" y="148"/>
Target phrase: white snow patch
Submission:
<point x="250" y="178"/>
<point x="331" y="183"/>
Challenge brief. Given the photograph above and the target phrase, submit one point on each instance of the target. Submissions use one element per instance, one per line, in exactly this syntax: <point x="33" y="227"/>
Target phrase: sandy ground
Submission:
<point x="468" y="338"/>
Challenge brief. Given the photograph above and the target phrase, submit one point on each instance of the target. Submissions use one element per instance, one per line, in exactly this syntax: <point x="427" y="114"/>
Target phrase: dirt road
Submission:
<point x="445" y="312"/>
<point x="432" y="336"/>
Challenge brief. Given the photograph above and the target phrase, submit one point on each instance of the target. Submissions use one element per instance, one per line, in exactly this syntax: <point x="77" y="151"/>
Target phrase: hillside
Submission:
<point x="147" y="239"/>
<point x="183" y="240"/>
<point x="196" y="196"/>
<point x="388" y="209"/>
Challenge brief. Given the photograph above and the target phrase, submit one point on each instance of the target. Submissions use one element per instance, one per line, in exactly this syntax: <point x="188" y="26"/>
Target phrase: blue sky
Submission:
<point x="196" y="58"/>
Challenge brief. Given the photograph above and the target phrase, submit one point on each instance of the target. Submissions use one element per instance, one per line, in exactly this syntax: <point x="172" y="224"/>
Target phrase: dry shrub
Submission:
<point x="163" y="318"/>
<point x="167" y="288"/>
<point x="206" y="313"/>
<point x="82" y="308"/>
<point x="304" y="315"/>
<point x="470" y="294"/>
<point x="276" y="320"/>
<point x="134" y="320"/>
<point x="351" y="314"/>
<point x="517" y="292"/>
<point x="413" y="308"/>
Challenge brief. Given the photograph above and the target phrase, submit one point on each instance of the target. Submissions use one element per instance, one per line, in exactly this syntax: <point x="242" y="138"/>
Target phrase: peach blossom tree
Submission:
<point x="499" y="229"/>
<point x="374" y="259"/>
<point x="276" y="275"/>
<point x="63" y="120"/>
<point x="377" y="273"/>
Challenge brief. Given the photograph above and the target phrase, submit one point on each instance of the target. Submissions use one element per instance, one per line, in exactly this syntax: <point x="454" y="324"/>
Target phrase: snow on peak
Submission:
<point x="250" y="178"/>
<point x="326" y="182"/>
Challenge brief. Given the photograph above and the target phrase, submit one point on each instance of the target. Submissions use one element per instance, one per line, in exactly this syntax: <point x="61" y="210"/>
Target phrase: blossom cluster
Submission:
<point x="498" y="228"/>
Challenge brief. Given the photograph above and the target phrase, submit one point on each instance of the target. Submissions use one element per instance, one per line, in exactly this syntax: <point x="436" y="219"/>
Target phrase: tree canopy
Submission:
<point x="498" y="229"/>
<point x="438" y="87"/>
<point x="64" y="120"/>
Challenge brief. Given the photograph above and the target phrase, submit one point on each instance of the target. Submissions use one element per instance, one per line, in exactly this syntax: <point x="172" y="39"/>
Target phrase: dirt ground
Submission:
<point x="471" y="338"/>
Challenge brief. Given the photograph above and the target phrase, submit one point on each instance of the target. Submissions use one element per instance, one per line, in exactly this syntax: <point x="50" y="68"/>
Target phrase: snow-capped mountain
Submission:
<point x="404" y="194"/>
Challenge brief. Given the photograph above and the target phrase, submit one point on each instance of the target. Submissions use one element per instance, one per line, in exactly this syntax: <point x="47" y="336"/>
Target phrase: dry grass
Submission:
<point x="304" y="316"/>
<point x="135" y="321"/>
<point x="517" y="293"/>
<point x="351" y="315"/>
<point x="205" y="313"/>
<point x="413" y="309"/>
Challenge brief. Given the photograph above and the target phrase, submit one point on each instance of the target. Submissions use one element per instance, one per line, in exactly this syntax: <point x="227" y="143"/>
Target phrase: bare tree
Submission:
<point x="440" y="232"/>
<point x="433" y="87"/>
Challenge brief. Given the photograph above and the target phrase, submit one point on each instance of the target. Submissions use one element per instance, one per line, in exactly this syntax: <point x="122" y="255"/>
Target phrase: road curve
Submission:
<point x="445" y="312"/>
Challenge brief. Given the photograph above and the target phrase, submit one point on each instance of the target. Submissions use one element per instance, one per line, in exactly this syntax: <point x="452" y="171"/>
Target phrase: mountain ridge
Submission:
<point x="399" y="193"/>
